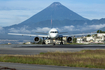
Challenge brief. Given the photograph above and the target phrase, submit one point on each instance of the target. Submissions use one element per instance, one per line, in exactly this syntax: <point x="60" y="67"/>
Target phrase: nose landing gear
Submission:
<point x="61" y="43"/>
<point x="53" y="43"/>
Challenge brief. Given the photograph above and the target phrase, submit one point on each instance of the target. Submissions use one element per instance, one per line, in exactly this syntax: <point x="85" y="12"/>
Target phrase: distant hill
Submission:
<point x="102" y="21"/>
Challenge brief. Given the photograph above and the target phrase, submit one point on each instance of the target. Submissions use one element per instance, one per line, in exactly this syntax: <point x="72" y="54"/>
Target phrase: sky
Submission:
<point x="16" y="11"/>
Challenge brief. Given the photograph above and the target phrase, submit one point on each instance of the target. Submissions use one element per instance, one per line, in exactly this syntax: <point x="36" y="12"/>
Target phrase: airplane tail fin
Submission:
<point x="51" y="24"/>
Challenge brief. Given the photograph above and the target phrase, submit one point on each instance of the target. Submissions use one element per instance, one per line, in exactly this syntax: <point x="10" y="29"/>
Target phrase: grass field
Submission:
<point x="84" y="58"/>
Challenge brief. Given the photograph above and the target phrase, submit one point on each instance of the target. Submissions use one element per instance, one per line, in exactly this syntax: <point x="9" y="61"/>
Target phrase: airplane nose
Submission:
<point x="54" y="35"/>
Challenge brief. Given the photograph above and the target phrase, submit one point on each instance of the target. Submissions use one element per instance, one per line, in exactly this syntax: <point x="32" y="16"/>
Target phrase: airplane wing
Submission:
<point x="41" y="33"/>
<point x="80" y="34"/>
<point x="63" y="32"/>
<point x="28" y="35"/>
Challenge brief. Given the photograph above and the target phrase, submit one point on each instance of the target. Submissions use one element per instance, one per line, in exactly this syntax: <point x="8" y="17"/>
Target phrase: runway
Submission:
<point x="36" y="49"/>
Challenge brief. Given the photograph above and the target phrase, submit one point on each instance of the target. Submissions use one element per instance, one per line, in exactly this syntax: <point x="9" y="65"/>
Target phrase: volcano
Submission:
<point x="56" y="11"/>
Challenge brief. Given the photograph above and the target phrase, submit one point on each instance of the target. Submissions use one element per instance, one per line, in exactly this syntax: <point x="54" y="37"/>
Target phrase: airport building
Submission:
<point x="96" y="38"/>
<point x="28" y="43"/>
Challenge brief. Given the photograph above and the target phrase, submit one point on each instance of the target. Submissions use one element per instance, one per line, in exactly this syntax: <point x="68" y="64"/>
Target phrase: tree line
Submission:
<point x="100" y="31"/>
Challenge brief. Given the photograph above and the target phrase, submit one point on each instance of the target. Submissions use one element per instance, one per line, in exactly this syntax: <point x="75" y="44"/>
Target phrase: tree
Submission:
<point x="74" y="40"/>
<point x="95" y="35"/>
<point x="88" y="35"/>
<point x="100" y="31"/>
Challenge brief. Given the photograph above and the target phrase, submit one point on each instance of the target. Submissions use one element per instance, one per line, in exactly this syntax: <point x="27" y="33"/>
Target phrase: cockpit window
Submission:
<point x="54" y="32"/>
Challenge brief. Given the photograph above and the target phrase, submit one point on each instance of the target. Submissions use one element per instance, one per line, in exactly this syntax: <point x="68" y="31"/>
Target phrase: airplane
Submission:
<point x="52" y="34"/>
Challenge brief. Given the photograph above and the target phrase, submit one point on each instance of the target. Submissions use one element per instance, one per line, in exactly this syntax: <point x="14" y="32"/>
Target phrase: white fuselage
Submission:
<point x="53" y="33"/>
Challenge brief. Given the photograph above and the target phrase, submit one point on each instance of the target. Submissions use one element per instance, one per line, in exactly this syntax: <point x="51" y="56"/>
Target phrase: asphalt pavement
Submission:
<point x="19" y="66"/>
<point x="36" y="49"/>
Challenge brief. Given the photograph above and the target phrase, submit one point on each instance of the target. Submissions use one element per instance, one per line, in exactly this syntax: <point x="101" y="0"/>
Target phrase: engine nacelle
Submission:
<point x="36" y="39"/>
<point x="69" y="39"/>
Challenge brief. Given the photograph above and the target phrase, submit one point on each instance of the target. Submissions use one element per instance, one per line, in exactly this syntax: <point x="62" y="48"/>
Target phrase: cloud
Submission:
<point x="97" y="26"/>
<point x="92" y="27"/>
<point x="82" y="28"/>
<point x="38" y="29"/>
<point x="44" y="29"/>
<point x="20" y="30"/>
<point x="70" y="28"/>
<point x="25" y="30"/>
<point x="62" y="29"/>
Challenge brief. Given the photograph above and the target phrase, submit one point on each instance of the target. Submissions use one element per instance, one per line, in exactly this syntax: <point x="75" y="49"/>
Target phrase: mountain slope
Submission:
<point x="56" y="11"/>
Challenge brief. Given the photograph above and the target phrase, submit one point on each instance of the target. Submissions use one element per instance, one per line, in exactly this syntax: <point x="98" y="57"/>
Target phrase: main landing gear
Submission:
<point x="61" y="43"/>
<point x="43" y="41"/>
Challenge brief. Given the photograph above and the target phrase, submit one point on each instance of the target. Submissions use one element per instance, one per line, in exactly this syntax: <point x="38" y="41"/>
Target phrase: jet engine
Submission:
<point x="36" y="39"/>
<point x="69" y="39"/>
